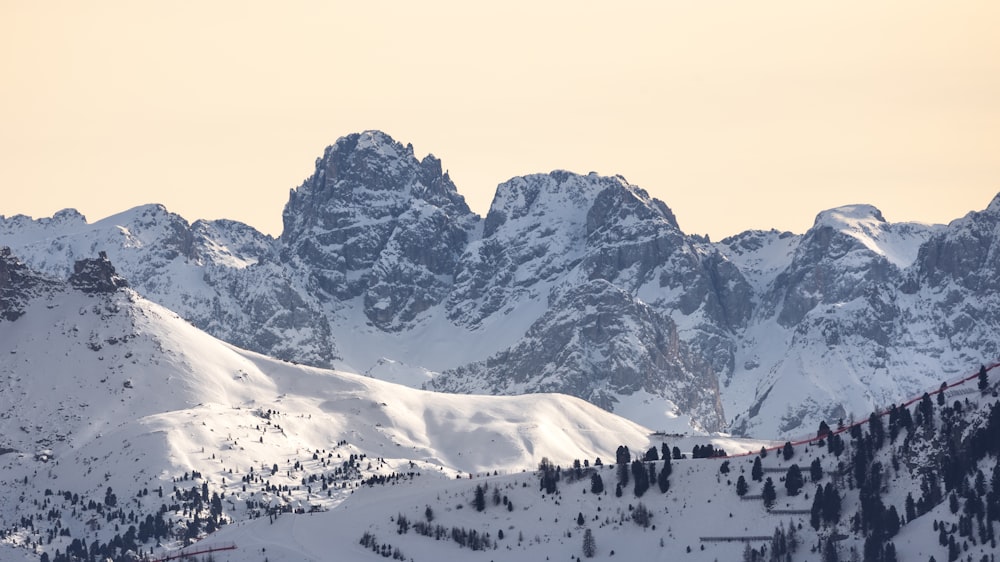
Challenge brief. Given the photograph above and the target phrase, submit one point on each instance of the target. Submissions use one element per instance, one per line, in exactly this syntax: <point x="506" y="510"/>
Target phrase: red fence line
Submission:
<point x="839" y="430"/>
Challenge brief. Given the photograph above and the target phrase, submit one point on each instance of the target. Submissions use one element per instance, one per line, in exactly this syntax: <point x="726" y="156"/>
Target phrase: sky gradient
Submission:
<point x="737" y="115"/>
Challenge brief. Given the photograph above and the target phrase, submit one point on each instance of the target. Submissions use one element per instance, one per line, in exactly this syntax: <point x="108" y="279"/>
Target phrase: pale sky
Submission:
<point x="736" y="114"/>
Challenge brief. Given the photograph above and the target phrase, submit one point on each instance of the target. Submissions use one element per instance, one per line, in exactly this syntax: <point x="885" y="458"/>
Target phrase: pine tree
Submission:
<point x="769" y="494"/>
<point x="831" y="504"/>
<point x="816" y="512"/>
<point x="589" y="546"/>
<point x="926" y="409"/>
<point x="579" y="519"/>
<point x="480" y="499"/>
<point x="596" y="484"/>
<point x="823" y="430"/>
<point x="641" y="476"/>
<point x="741" y="486"/>
<point x="787" y="451"/>
<point x="984" y="379"/>
<point x="757" y="472"/>
<point x="663" y="480"/>
<point x="815" y="471"/>
<point x="641" y="515"/>
<point x="793" y="480"/>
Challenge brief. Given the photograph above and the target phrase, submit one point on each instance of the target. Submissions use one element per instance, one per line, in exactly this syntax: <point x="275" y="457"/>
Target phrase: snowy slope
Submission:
<point x="115" y="391"/>
<point x="580" y="284"/>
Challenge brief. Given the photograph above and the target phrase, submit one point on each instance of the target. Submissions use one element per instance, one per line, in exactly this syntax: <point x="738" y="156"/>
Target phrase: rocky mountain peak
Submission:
<point x="367" y="174"/>
<point x="847" y="216"/>
<point x="96" y="275"/>
<point x="994" y="206"/>
<point x="376" y="222"/>
<point x="17" y="282"/>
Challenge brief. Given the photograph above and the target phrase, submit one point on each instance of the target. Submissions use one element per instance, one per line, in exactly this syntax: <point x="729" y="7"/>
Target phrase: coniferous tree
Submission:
<point x="823" y="430"/>
<point x="622" y="471"/>
<point x="835" y="445"/>
<point x="816" y="512"/>
<point x="757" y="472"/>
<point x="793" y="480"/>
<point x="741" y="486"/>
<point x="815" y="471"/>
<point x="830" y="551"/>
<point x="889" y="555"/>
<point x="596" y="483"/>
<point x="831" y="504"/>
<point x="652" y="455"/>
<point x="787" y="451"/>
<point x="641" y="476"/>
<point x="876" y="429"/>
<point x="641" y="515"/>
<point x="589" y="545"/>
<point x="984" y="379"/>
<point x="622" y="455"/>
<point x="480" y="499"/>
<point x="769" y="494"/>
<point x="926" y="408"/>
<point x="663" y="480"/>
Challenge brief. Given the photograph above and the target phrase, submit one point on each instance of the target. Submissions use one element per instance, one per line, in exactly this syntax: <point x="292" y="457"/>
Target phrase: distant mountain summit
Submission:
<point x="376" y="223"/>
<point x="582" y="284"/>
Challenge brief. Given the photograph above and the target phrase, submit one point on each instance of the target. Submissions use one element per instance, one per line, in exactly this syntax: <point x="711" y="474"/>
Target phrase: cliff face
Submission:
<point x="572" y="283"/>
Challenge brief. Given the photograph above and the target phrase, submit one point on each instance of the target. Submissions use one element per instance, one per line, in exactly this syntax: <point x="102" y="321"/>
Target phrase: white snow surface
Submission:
<point x="897" y="242"/>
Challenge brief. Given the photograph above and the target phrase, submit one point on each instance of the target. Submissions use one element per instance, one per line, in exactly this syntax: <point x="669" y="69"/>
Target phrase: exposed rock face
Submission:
<point x="17" y="285"/>
<point x="96" y="276"/>
<point x="373" y="221"/>
<point x="957" y="279"/>
<point x="598" y="343"/>
<point x="572" y="283"/>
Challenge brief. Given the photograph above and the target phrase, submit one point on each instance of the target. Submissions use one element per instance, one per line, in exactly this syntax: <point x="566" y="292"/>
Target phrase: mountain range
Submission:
<point x="128" y="434"/>
<point x="576" y="284"/>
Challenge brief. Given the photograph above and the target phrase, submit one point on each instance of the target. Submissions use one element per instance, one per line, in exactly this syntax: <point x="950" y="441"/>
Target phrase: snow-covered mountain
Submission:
<point x="128" y="433"/>
<point x="105" y="392"/>
<point x="580" y="284"/>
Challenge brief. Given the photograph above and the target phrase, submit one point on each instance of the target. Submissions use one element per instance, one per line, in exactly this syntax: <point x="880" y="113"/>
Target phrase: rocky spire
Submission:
<point x="96" y="275"/>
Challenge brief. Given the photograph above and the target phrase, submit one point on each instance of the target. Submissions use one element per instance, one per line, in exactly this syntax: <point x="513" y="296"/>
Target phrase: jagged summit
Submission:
<point x="994" y="205"/>
<point x="96" y="275"/>
<point x="370" y="173"/>
<point x="382" y="258"/>
<point x="18" y="284"/>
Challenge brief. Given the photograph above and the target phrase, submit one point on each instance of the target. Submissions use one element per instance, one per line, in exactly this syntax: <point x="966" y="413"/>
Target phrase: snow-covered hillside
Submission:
<point x="109" y="390"/>
<point x="578" y="284"/>
<point x="129" y="433"/>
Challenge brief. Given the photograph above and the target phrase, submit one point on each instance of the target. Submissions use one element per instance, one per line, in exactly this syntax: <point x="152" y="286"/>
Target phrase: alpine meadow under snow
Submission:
<point x="569" y="377"/>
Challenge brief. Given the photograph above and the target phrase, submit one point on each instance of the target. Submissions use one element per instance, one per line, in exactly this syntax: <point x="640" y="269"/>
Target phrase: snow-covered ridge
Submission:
<point x="898" y="243"/>
<point x="382" y="260"/>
